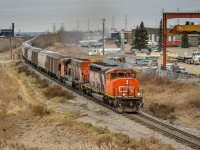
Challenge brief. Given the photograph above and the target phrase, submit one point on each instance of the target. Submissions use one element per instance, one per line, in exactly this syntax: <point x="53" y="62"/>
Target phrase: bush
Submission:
<point x="44" y="41"/>
<point x="153" y="79"/>
<point x="194" y="103"/>
<point x="39" y="110"/>
<point x="164" y="111"/>
<point x="22" y="69"/>
<point x="5" y="44"/>
<point x="43" y="83"/>
<point x="54" y="91"/>
<point x="27" y="72"/>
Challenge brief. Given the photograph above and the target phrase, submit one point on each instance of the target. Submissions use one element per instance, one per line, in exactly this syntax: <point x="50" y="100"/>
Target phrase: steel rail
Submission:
<point x="166" y="129"/>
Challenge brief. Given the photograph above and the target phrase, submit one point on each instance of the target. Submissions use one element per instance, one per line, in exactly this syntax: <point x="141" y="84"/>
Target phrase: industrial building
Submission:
<point x="172" y="40"/>
<point x="8" y="32"/>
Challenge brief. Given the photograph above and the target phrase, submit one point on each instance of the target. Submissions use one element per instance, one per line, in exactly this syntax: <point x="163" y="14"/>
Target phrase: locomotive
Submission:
<point x="116" y="87"/>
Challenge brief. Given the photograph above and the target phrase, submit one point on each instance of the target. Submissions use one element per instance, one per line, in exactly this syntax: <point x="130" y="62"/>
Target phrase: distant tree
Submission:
<point x="160" y="36"/>
<point x="61" y="34"/>
<point x="136" y="38"/>
<point x="118" y="38"/>
<point x="143" y="36"/>
<point x="140" y="39"/>
<point x="185" y="41"/>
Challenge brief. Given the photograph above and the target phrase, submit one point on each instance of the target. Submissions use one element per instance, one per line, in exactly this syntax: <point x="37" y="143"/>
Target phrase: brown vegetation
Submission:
<point x="164" y="111"/>
<point x="5" y="44"/>
<point x="39" y="110"/>
<point x="50" y="91"/>
<point x="171" y="99"/>
<point x="54" y="91"/>
<point x="44" y="41"/>
<point x="47" y="40"/>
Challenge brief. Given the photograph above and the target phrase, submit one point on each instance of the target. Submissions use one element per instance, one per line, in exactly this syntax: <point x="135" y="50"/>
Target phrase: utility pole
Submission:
<point x="126" y="22"/>
<point x="19" y="32"/>
<point x="113" y="21"/>
<point x="103" y="35"/>
<point x="54" y="28"/>
<point x="88" y="25"/>
<point x="10" y="45"/>
<point x="122" y="39"/>
<point x="77" y="25"/>
<point x="178" y="18"/>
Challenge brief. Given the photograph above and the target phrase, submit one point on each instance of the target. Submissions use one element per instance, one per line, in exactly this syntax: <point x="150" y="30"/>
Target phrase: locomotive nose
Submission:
<point x="126" y="87"/>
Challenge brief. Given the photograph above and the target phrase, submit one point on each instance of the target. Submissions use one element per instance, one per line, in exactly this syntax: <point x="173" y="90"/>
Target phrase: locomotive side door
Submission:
<point x="69" y="73"/>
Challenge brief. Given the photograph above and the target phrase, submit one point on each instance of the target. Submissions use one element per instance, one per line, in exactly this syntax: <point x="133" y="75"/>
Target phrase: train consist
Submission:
<point x="114" y="86"/>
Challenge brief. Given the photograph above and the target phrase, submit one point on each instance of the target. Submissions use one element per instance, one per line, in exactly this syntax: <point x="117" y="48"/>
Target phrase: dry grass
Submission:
<point x="22" y="69"/>
<point x="39" y="110"/>
<point x="119" y="141"/>
<point x="103" y="139"/>
<point x="153" y="79"/>
<point x="195" y="103"/>
<point x="25" y="70"/>
<point x="54" y="91"/>
<point x="6" y="145"/>
<point x="171" y="99"/>
<point x="5" y="44"/>
<point x="43" y="83"/>
<point x="164" y="111"/>
<point x="44" y="41"/>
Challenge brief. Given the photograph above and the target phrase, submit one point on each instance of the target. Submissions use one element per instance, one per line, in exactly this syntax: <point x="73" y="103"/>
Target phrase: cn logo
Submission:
<point x="125" y="88"/>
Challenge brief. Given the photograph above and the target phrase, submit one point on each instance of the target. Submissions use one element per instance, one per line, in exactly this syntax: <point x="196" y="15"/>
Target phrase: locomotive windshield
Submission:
<point x="121" y="75"/>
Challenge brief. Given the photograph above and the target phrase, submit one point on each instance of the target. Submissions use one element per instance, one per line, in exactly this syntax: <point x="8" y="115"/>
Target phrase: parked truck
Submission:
<point x="193" y="59"/>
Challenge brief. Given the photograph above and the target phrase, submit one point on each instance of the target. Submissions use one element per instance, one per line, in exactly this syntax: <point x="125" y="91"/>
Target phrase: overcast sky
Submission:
<point x="39" y="15"/>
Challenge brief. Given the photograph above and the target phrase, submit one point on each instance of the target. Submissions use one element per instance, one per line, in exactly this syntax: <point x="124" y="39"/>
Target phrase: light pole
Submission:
<point x="10" y="44"/>
<point x="103" y="35"/>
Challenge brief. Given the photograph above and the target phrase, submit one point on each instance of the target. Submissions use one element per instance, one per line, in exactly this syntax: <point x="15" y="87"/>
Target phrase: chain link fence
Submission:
<point x="155" y="70"/>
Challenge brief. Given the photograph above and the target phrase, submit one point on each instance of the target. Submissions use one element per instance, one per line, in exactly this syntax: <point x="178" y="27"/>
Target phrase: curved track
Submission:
<point x="167" y="129"/>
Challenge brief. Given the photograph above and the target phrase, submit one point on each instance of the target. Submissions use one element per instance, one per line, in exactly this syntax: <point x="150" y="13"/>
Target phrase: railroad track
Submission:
<point x="166" y="129"/>
<point x="179" y="135"/>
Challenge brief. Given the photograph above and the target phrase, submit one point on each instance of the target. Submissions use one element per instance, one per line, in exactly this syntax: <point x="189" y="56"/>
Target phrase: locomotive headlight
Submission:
<point x="124" y="94"/>
<point x="139" y="94"/>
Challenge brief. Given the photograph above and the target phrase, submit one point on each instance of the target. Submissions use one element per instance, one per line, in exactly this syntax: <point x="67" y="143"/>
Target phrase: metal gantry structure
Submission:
<point x="178" y="29"/>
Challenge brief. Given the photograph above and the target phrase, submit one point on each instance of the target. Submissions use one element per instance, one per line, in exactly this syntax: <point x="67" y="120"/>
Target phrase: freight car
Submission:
<point x="114" y="86"/>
